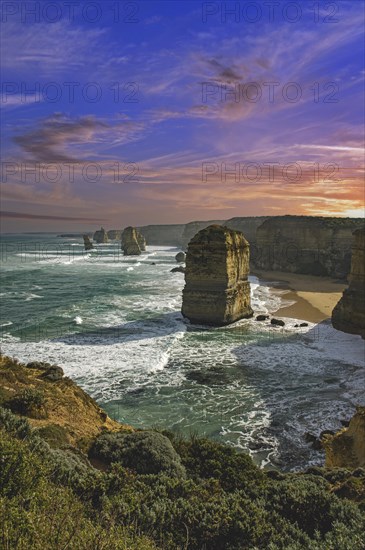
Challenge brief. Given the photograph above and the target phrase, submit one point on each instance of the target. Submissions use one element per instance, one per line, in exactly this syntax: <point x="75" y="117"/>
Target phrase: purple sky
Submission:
<point x="172" y="111"/>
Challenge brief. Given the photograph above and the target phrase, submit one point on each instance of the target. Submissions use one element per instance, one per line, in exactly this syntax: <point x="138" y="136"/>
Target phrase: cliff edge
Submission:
<point x="346" y="449"/>
<point x="349" y="314"/>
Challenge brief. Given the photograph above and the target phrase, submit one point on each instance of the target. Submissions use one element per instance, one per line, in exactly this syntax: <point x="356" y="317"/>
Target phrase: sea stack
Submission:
<point x="87" y="243"/>
<point x="349" y="314"/>
<point x="101" y="236"/>
<point x="217" y="291"/>
<point x="130" y="245"/>
<point x="115" y="234"/>
<point x="141" y="241"/>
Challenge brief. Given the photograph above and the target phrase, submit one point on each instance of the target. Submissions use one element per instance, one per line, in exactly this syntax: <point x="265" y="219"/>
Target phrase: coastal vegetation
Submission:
<point x="120" y="488"/>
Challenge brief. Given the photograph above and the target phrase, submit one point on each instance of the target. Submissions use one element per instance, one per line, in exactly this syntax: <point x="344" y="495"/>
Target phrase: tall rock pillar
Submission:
<point x="349" y="314"/>
<point x="217" y="291"/>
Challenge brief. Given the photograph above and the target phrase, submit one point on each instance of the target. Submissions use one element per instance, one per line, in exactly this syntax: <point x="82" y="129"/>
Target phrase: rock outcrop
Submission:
<point x="217" y="291"/>
<point x="130" y="245"/>
<point x="115" y="234"/>
<point x="141" y="241"/>
<point x="101" y="236"/>
<point x="87" y="243"/>
<point x="180" y="257"/>
<point x="68" y="406"/>
<point x="349" y="314"/>
<point x="306" y="244"/>
<point x="346" y="449"/>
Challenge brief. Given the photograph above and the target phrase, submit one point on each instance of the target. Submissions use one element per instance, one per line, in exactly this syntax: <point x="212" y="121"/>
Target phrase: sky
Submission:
<point x="153" y="112"/>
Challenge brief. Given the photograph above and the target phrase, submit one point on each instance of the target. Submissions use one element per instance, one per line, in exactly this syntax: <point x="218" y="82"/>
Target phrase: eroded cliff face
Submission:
<point x="115" y="234"/>
<point x="163" y="235"/>
<point x="101" y="236"/>
<point x="349" y="314"/>
<point x="346" y="449"/>
<point x="217" y="291"/>
<point x="130" y="244"/>
<point x="305" y="244"/>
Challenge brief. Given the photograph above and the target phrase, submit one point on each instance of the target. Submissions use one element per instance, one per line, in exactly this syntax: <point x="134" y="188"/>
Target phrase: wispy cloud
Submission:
<point x="25" y="216"/>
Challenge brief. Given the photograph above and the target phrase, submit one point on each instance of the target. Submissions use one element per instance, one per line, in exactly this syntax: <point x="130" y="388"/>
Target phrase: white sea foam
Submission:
<point x="32" y="297"/>
<point x="135" y="348"/>
<point x="78" y="320"/>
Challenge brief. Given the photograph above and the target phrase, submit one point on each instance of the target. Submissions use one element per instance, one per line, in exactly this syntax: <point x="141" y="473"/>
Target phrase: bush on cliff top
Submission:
<point x="145" y="452"/>
<point x="223" y="503"/>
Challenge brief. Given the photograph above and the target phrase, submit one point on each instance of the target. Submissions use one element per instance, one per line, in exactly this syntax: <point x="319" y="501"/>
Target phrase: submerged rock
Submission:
<point x="101" y="236"/>
<point x="87" y="243"/>
<point x="130" y="245"/>
<point x="209" y="376"/>
<point x="262" y="317"/>
<point x="349" y="314"/>
<point x="217" y="291"/>
<point x="179" y="269"/>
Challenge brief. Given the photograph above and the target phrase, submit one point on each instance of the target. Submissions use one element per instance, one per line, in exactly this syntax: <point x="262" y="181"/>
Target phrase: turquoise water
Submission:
<point x="114" y="325"/>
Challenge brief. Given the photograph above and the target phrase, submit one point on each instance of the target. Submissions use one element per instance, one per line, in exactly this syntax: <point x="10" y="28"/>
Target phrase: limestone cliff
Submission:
<point x="306" y="244"/>
<point x="163" y="235"/>
<point x="115" y="234"/>
<point x="88" y="245"/>
<point x="349" y="314"/>
<point x="346" y="449"/>
<point x="66" y="405"/>
<point x="248" y="226"/>
<point x="217" y="291"/>
<point x="193" y="228"/>
<point x="130" y="244"/>
<point x="101" y="236"/>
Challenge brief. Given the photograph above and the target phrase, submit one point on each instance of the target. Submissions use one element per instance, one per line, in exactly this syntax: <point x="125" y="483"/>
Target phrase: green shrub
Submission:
<point x="55" y="435"/>
<point x="17" y="427"/>
<point x="204" y="458"/>
<point x="52" y="498"/>
<point x="146" y="452"/>
<point x="28" y="402"/>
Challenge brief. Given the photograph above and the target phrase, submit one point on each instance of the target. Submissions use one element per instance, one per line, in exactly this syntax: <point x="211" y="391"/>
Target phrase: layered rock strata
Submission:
<point x="217" y="291"/>
<point x="130" y="245"/>
<point x="306" y="244"/>
<point x="349" y="314"/>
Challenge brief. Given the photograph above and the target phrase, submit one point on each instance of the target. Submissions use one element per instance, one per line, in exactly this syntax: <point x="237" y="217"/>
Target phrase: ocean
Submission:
<point x="114" y="325"/>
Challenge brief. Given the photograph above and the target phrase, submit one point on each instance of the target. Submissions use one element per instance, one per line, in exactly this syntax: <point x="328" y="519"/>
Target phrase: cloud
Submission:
<point x="25" y="216"/>
<point x="55" y="136"/>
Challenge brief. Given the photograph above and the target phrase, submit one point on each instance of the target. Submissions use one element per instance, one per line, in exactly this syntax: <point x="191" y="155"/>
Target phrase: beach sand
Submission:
<point x="314" y="297"/>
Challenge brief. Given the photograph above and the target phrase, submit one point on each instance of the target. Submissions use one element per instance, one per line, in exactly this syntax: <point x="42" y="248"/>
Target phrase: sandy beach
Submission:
<point x="314" y="297"/>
